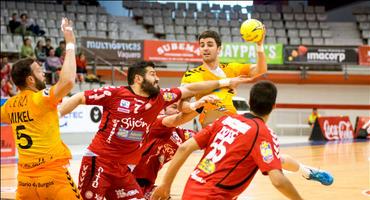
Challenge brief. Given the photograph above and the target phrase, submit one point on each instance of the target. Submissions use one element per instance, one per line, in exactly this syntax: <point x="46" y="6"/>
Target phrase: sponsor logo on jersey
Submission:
<point x="175" y="138"/>
<point x="187" y="135"/>
<point x="132" y="122"/>
<point x="130" y="134"/>
<point x="207" y="166"/>
<point x="46" y="92"/>
<point x="123" y="110"/>
<point x="124" y="103"/>
<point x="169" y="96"/>
<point x="266" y="152"/>
<point x="121" y="193"/>
<point x="89" y="194"/>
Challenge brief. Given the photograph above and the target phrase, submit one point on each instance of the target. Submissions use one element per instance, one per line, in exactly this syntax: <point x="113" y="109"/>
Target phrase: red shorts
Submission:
<point x="101" y="178"/>
<point x="208" y="191"/>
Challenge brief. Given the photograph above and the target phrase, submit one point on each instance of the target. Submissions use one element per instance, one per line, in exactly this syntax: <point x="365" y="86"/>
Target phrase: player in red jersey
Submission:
<point x="163" y="140"/>
<point x="128" y="113"/>
<point x="235" y="148"/>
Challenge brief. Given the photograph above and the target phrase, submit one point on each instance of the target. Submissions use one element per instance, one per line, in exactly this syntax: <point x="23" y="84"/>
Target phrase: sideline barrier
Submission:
<point x="332" y="128"/>
<point x="83" y="119"/>
<point x="7" y="142"/>
<point x="7" y="139"/>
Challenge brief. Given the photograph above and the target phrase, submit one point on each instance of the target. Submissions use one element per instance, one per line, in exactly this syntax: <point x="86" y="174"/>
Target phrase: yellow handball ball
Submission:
<point x="252" y="30"/>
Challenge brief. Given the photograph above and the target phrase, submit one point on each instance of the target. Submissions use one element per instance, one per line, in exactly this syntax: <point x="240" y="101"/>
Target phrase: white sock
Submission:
<point x="304" y="170"/>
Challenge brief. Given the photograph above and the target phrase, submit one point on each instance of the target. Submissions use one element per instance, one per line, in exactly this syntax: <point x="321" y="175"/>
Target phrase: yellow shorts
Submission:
<point x="57" y="185"/>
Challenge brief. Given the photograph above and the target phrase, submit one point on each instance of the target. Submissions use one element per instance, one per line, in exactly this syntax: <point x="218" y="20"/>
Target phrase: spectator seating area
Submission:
<point x="362" y="15"/>
<point x="292" y="25"/>
<point x="90" y="21"/>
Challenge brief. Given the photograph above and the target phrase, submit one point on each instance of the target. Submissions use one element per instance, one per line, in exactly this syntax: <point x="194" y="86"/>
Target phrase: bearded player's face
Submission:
<point x="150" y="84"/>
<point x="39" y="76"/>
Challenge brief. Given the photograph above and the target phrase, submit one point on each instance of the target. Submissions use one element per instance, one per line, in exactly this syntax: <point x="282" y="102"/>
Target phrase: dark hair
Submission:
<point x="25" y="40"/>
<point x="21" y="70"/>
<point x="47" y="40"/>
<point x="23" y="15"/>
<point x="62" y="42"/>
<point x="211" y="34"/>
<point x="38" y="43"/>
<point x="139" y="68"/>
<point x="262" y="98"/>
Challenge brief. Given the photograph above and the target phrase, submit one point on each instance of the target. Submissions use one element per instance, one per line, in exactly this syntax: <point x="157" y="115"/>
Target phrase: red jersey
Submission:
<point x="126" y="120"/>
<point x="235" y="148"/>
<point x="162" y="144"/>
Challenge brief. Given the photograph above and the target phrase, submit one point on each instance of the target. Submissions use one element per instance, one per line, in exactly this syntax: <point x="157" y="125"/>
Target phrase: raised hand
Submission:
<point x="67" y="30"/>
<point x="262" y="41"/>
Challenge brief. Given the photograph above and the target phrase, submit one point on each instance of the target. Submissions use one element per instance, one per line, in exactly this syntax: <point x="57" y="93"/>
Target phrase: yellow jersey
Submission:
<point x="35" y="123"/>
<point x="225" y="106"/>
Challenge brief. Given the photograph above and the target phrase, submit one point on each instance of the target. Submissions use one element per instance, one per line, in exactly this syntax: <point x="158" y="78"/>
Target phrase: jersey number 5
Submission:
<point x="22" y="135"/>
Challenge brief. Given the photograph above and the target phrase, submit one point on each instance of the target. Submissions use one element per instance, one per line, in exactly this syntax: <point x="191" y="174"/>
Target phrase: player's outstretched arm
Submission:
<point x="68" y="73"/>
<point x="282" y="183"/>
<point x="261" y="66"/>
<point x="206" y="87"/>
<point x="70" y="104"/>
<point x="182" y="153"/>
<point x="182" y="117"/>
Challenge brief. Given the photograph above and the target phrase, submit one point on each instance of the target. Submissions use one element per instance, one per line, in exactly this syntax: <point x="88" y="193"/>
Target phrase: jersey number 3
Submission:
<point x="25" y="136"/>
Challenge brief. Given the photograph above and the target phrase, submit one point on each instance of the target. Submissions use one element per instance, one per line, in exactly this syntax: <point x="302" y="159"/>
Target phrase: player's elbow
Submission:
<point x="185" y="148"/>
<point x="278" y="180"/>
<point x="67" y="83"/>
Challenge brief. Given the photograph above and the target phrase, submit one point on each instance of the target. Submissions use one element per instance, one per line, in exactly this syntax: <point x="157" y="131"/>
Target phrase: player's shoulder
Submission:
<point x="197" y="70"/>
<point x="232" y="65"/>
<point x="112" y="89"/>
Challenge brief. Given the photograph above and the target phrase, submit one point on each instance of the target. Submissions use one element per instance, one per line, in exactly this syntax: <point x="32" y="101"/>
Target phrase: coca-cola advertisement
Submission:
<point x="332" y="128"/>
<point x="362" y="128"/>
<point x="169" y="51"/>
<point x="364" y="55"/>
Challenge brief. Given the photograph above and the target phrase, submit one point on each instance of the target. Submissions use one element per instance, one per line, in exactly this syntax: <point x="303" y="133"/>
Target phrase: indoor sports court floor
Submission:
<point x="348" y="162"/>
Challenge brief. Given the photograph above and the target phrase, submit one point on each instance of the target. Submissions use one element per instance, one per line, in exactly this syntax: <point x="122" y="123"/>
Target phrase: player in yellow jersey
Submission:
<point x="211" y="69"/>
<point x="33" y="115"/>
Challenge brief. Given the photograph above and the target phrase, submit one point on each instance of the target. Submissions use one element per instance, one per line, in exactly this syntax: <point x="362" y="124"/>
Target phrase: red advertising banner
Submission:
<point x="362" y="127"/>
<point x="364" y="55"/>
<point x="169" y="51"/>
<point x="332" y="128"/>
<point x="7" y="142"/>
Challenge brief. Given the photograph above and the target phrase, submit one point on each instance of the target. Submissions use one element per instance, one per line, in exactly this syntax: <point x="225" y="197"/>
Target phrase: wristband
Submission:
<point x="224" y="82"/>
<point x="260" y="48"/>
<point x="192" y="106"/>
<point x="70" y="46"/>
